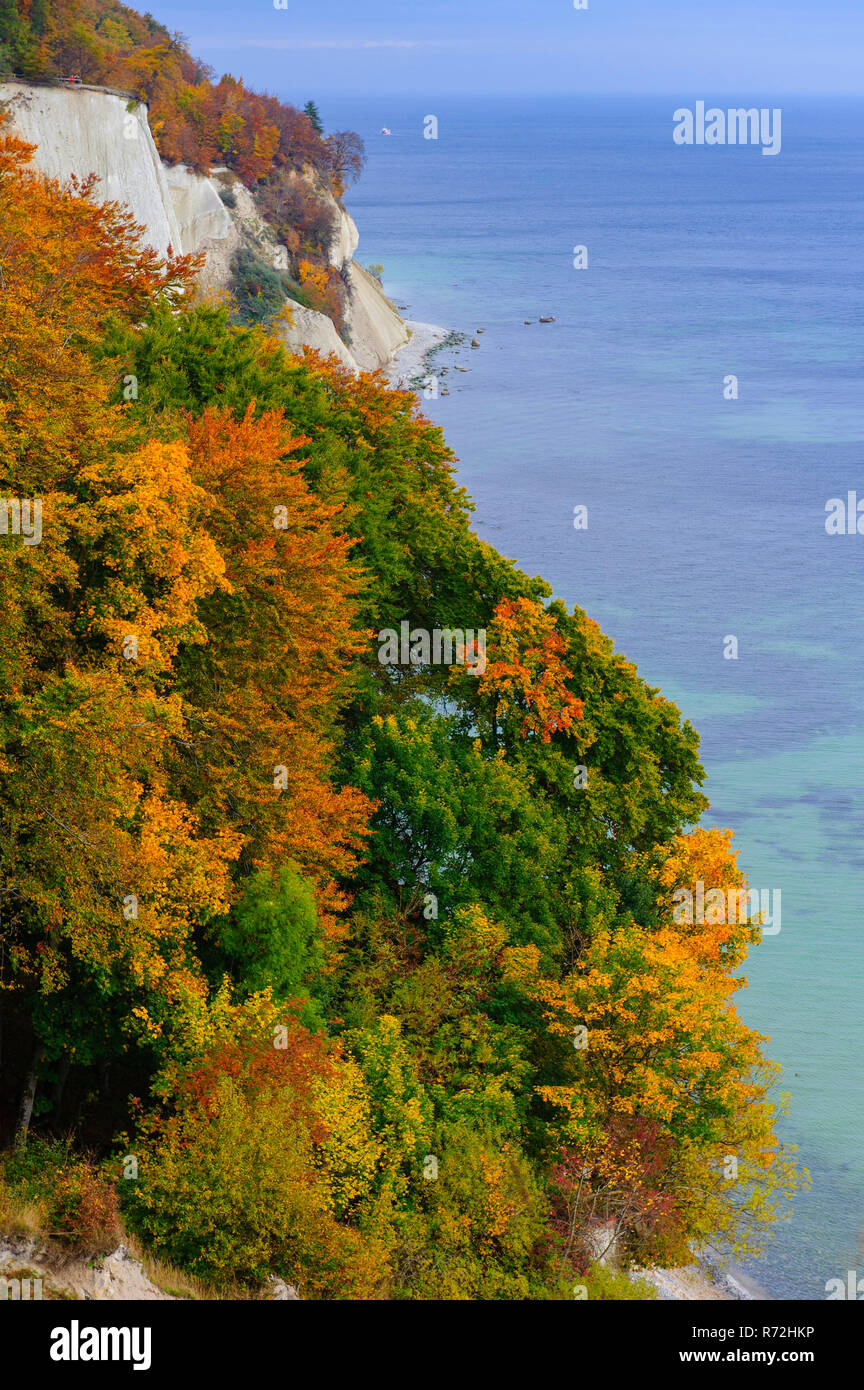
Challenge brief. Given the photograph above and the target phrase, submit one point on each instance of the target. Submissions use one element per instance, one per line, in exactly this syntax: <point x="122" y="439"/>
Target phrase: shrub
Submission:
<point x="74" y="1198"/>
<point x="259" y="290"/>
<point x="256" y="1170"/>
<point x="290" y="205"/>
<point x="83" y="1209"/>
<point x="476" y="1230"/>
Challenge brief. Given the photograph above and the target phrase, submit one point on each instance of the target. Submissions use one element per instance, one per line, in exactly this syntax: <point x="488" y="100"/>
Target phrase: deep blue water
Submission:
<point x="706" y="516"/>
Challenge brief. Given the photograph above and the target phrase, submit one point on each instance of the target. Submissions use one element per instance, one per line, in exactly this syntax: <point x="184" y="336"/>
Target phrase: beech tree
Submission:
<point x="390" y="951"/>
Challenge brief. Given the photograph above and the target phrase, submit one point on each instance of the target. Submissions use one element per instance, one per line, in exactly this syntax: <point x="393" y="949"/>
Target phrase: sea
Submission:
<point x="706" y="497"/>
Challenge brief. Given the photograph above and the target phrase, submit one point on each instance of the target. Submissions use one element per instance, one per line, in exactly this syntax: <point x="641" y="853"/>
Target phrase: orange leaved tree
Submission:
<point x="661" y="1064"/>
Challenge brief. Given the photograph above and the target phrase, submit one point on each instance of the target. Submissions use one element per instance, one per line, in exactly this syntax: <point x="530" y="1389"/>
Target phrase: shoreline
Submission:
<point x="705" y="1280"/>
<point x="410" y="362"/>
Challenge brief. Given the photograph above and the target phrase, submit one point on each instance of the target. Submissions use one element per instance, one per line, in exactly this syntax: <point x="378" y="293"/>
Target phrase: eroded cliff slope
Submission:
<point x="88" y="130"/>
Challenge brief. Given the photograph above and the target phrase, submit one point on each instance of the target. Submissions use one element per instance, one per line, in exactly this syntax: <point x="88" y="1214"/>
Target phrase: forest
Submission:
<point x="365" y="975"/>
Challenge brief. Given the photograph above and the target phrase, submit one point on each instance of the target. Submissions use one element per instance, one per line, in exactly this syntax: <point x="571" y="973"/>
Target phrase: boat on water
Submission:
<point x="385" y="131"/>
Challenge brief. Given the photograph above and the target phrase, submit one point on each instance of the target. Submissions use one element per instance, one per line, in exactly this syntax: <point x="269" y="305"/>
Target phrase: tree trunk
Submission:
<point x="59" y="1087"/>
<point x="28" y="1097"/>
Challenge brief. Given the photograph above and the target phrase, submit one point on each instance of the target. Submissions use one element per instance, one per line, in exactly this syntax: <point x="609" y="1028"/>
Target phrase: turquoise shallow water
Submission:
<point x="706" y="517"/>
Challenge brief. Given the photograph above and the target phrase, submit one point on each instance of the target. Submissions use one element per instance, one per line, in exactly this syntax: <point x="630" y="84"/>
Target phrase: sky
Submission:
<point x="528" y="47"/>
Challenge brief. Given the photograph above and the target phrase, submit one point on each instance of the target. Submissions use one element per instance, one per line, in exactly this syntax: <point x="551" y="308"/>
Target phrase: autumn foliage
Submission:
<point x="525" y="679"/>
<point x="391" y="1006"/>
<point x="195" y="120"/>
<point x="277" y="151"/>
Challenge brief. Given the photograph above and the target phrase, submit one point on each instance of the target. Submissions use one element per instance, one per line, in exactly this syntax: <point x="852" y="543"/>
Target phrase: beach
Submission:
<point x="410" y="362"/>
<point x="703" y="1281"/>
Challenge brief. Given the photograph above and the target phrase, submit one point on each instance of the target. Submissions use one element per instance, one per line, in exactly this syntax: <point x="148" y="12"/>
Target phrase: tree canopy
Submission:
<point x="383" y="955"/>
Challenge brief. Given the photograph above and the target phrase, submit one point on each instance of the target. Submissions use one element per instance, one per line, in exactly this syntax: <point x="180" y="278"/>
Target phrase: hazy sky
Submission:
<point x="418" y="47"/>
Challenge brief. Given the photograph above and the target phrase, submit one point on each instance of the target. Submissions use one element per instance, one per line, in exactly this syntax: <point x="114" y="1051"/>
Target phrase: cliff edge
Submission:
<point x="87" y="130"/>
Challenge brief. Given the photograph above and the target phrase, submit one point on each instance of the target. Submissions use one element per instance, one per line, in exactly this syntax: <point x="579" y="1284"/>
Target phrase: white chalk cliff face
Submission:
<point x="84" y="130"/>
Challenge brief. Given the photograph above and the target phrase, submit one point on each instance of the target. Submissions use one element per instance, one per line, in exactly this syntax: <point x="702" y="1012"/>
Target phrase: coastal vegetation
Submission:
<point x="280" y="153"/>
<point x="367" y="976"/>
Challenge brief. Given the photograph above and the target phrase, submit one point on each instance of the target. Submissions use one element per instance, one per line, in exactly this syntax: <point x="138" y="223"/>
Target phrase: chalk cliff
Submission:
<point x="83" y="130"/>
<point x="87" y="130"/>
